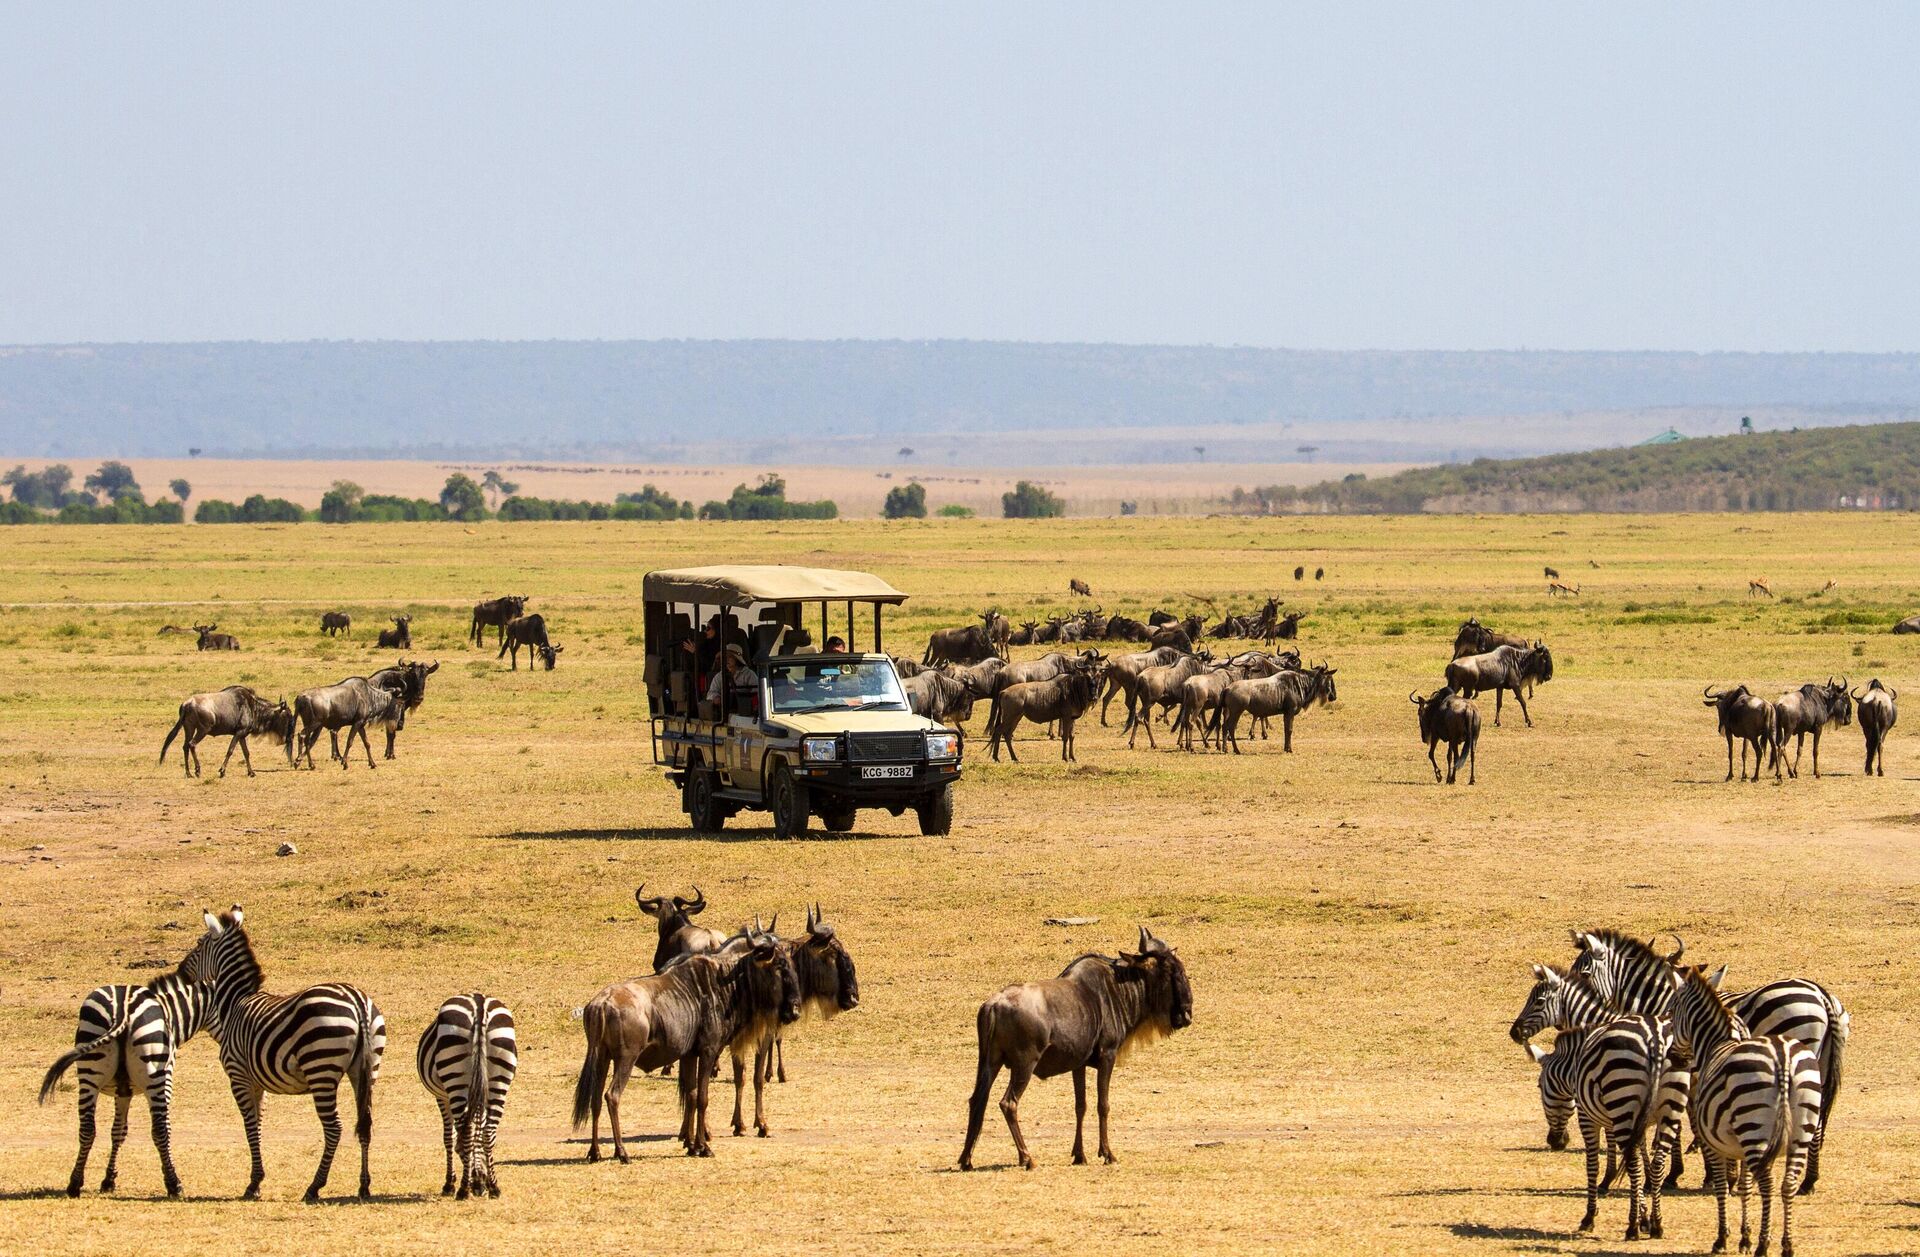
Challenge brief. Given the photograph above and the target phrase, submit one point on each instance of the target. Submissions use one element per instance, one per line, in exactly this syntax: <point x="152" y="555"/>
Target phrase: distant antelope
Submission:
<point x="1828" y="588"/>
<point x="1555" y="589"/>
<point x="1758" y="585"/>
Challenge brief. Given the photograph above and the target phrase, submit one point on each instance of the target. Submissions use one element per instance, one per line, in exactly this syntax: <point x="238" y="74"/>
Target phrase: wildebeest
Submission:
<point x="1124" y="670"/>
<point x="1174" y="635"/>
<point x="1552" y="573"/>
<point x="1300" y="573"/>
<point x="1500" y="669"/>
<point x="1200" y="694"/>
<point x="529" y="631"/>
<point x="1877" y="714"/>
<point x="1475" y="638"/>
<point x="904" y="668"/>
<point x="1287" y="628"/>
<point x="410" y="679"/>
<point x="1077" y="586"/>
<point x="335" y="622"/>
<point x="679" y="936"/>
<point x="829" y="986"/>
<point x="1808" y="710"/>
<point x="689" y="1013"/>
<point x="1157" y="617"/>
<point x="1156" y="690"/>
<point x="968" y="644"/>
<point x="1064" y="699"/>
<point x="352" y="704"/>
<point x="1098" y="1009"/>
<point x="939" y="696"/>
<point x="210" y="640"/>
<point x="1319" y="573"/>
<point x="236" y="710"/>
<point x="1446" y="717"/>
<point x="999" y="631"/>
<point x="1909" y="625"/>
<point x="1750" y="718"/>
<point x="496" y="613"/>
<point x="400" y="636"/>
<point x="1284" y="694"/>
<point x="983" y="678"/>
<point x="1758" y="586"/>
<point x="1023" y="636"/>
<point x="1124" y="628"/>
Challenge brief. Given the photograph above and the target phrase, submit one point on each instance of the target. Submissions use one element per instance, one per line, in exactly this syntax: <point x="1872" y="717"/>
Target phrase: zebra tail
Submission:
<point x="478" y="1100"/>
<point x="67" y="1058"/>
<point x="593" y="1071"/>
<point x="1636" y="1136"/>
<point x="365" y="1069"/>
<point x="170" y="734"/>
<point x="1832" y="1051"/>
<point x="1783" y="1084"/>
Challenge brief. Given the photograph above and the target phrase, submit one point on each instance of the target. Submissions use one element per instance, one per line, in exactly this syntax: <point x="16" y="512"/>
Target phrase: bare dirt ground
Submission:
<point x="1358" y="937"/>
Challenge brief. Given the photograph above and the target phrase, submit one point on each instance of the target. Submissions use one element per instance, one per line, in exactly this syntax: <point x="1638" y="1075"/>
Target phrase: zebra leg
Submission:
<point x="446" y="1140"/>
<point x="1636" y="1157"/>
<point x="493" y="1131"/>
<point x="1788" y="1182"/>
<point x="463" y="1144"/>
<point x="1613" y="1165"/>
<point x="1590" y="1137"/>
<point x="1762" y="1173"/>
<point x="1079" y="1114"/>
<point x="326" y="1104"/>
<point x="159" y="1109"/>
<point x="1656" y="1166"/>
<point x="248" y="1098"/>
<point x="1717" y="1182"/>
<point x="122" y="1098"/>
<point x="89" y="1098"/>
<point x="1745" y="1187"/>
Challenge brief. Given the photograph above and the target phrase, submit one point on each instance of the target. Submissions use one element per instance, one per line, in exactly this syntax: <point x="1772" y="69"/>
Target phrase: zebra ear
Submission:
<point x="1537" y="1052"/>
<point x="238" y="916"/>
<point x="1718" y="976"/>
<point x="213" y="922"/>
<point x="1539" y="972"/>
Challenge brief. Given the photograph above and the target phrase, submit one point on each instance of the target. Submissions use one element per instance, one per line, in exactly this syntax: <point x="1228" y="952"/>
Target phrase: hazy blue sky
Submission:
<point x="1335" y="175"/>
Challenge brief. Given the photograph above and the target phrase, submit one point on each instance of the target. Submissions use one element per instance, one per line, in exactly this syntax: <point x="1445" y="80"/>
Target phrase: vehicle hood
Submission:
<point x="855" y="722"/>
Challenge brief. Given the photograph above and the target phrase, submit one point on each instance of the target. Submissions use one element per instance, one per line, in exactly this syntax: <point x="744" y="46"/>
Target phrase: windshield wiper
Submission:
<point x="819" y="707"/>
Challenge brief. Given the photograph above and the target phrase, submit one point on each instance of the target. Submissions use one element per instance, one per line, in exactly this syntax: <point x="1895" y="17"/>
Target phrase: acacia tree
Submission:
<point x="907" y="501"/>
<point x="181" y="489"/>
<point x="462" y="499"/>
<point x="498" y="486"/>
<point x="114" y="479"/>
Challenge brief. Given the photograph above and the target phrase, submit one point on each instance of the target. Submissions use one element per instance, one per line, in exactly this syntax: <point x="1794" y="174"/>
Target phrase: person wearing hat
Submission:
<point x="734" y="670"/>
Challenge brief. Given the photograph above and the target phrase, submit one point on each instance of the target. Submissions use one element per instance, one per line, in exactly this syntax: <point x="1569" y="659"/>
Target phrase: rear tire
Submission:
<point x="704" y="811"/>
<point x="936" y="811"/>
<point x="837" y="822"/>
<point x="790" y="804"/>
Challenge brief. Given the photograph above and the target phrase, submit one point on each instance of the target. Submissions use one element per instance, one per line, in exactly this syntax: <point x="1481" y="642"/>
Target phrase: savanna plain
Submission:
<point x="1356" y="935"/>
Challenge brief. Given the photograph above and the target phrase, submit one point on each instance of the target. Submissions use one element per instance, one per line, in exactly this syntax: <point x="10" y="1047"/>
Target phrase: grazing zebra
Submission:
<point x="468" y="1074"/>
<point x="1609" y="1074"/>
<point x="130" y="1034"/>
<point x="1756" y="1099"/>
<point x="1633" y="978"/>
<point x="300" y="1044"/>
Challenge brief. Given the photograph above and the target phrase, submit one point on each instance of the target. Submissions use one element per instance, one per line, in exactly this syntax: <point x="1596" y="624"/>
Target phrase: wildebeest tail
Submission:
<point x="177" y="725"/>
<point x="78" y="1050"/>
<point x="983" y="1073"/>
<point x="593" y="1071"/>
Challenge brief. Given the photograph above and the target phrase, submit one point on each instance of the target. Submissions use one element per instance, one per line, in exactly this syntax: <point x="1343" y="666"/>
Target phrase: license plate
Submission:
<point x="889" y="770"/>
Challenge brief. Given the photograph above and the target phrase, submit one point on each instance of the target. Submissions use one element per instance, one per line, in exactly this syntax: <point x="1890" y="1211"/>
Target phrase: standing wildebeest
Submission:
<point x="1094" y="1012"/>
<point x="1124" y="671"/>
<point x="352" y="705"/>
<point x="235" y="710"/>
<point x="1809" y="709"/>
<point x="1500" y="669"/>
<point x="1319" y="573"/>
<point x="1077" y="586"/>
<point x="1750" y="718"/>
<point x="335" y="622"/>
<point x="679" y="936"/>
<point x="530" y="631"/>
<point x="829" y="986"/>
<point x="969" y="644"/>
<point x="999" y="631"/>
<point x="689" y="1013"/>
<point x="1284" y="694"/>
<point x="497" y="613"/>
<point x="1446" y="717"/>
<point x="210" y="640"/>
<point x="1200" y="694"/>
<point x="410" y="679"/>
<point x="1877" y="714"/>
<point x="400" y="636"/>
<point x="1065" y="699"/>
<point x="1157" y="690"/>
<point x="939" y="696"/>
<point x="1300" y="573"/>
<point x="1552" y="573"/>
<point x="1475" y="638"/>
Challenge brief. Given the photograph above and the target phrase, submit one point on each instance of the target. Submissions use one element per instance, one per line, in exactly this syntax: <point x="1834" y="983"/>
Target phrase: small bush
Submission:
<point x="953" y="510"/>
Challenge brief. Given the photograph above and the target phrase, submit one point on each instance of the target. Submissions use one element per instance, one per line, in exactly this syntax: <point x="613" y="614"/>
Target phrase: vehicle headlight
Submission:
<point x="943" y="746"/>
<point x="821" y="750"/>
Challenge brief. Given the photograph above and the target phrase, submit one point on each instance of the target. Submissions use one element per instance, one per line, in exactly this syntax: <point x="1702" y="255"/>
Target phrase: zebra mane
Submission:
<point x="1627" y="946"/>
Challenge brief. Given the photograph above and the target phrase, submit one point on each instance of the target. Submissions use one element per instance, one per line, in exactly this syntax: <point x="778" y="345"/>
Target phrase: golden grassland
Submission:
<point x="1357" y="936"/>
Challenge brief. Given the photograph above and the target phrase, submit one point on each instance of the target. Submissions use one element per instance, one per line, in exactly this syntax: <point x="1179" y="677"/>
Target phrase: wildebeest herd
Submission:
<point x="1646" y="1044"/>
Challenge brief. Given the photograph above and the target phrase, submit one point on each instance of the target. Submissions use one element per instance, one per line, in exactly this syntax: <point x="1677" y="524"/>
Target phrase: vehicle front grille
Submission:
<point x="886" y="746"/>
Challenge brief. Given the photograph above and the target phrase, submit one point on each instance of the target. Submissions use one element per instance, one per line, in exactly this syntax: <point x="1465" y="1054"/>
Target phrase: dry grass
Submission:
<point x="1356" y="935"/>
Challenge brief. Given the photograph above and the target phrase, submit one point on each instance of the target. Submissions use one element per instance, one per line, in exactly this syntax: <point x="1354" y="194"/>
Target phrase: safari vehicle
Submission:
<point x="811" y="733"/>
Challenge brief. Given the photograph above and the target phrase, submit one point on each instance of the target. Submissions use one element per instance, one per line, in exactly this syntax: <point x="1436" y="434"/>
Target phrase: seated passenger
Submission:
<point x="836" y="645"/>
<point x="742" y="678"/>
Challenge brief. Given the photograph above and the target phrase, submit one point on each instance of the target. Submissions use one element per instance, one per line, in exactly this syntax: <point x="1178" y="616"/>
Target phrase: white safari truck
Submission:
<point x="785" y="723"/>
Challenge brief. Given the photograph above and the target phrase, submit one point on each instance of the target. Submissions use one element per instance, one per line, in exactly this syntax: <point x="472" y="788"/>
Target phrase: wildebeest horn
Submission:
<point x="1853" y="695"/>
<point x="773" y="926"/>
<point x="1680" y="945"/>
<point x="1413" y="696"/>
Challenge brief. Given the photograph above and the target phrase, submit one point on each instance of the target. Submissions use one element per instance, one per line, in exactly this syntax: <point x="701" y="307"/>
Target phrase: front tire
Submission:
<point x="790" y="804"/>
<point x="703" y="810"/>
<point x="936" y="811"/>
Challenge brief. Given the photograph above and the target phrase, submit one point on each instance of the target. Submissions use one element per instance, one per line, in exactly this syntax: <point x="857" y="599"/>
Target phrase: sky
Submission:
<point x="1339" y="176"/>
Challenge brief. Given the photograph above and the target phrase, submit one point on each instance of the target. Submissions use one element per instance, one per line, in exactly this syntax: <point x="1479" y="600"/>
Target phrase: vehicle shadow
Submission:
<point x="656" y="833"/>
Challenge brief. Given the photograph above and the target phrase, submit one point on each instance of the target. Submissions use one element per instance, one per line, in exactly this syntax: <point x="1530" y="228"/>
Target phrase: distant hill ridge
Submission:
<point x="664" y="398"/>
<point x="1859" y="467"/>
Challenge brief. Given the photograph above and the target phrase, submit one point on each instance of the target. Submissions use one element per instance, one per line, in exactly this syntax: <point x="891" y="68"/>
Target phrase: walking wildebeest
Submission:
<point x="236" y="710"/>
<point x="210" y="640"/>
<point x="940" y="697"/>
<point x="400" y="636"/>
<point x="1124" y="672"/>
<point x="1810" y="709"/>
<point x="679" y="936"/>
<point x="1877" y="714"/>
<point x="1500" y="669"/>
<point x="530" y="631"/>
<point x="1077" y="586"/>
<point x="969" y="644"/>
<point x="1098" y="1009"/>
<point x="352" y="705"/>
<point x="335" y="622"/>
<point x="829" y="986"/>
<point x="1750" y="718"/>
<point x="1446" y="717"/>
<point x="1156" y="690"/>
<point x="410" y="679"/>
<point x="687" y="1014"/>
<point x="1065" y="699"/>
<point x="1284" y="694"/>
<point x="1200" y="694"/>
<point x="497" y="613"/>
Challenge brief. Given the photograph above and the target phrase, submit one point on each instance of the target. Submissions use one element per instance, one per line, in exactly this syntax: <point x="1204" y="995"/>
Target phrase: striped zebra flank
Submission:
<point x="1634" y="978"/>
<point x="306" y="1043"/>
<point x="1608" y="1076"/>
<point x="130" y="1035"/>
<point x="467" y="1058"/>
<point x="1755" y="1107"/>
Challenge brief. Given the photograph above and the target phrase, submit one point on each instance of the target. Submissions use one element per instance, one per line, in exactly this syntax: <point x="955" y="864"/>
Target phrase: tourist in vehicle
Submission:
<point x="745" y="682"/>
<point x="836" y="645"/>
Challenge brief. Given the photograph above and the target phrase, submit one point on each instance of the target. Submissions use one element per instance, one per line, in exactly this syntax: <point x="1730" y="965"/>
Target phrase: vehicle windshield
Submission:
<point x="849" y="684"/>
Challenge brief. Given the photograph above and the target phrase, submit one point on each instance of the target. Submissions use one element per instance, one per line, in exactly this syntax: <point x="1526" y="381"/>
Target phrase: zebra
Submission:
<point x="130" y="1034"/>
<point x="1634" y="978"/>
<point x="1756" y="1099"/>
<point x="1609" y="1074"/>
<point x="468" y="1075"/>
<point x="300" y="1044"/>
